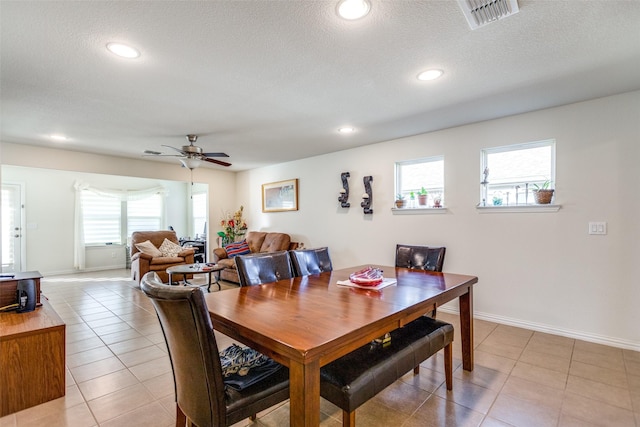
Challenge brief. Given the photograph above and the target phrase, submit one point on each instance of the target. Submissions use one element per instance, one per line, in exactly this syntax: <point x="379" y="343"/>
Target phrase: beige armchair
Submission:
<point x="150" y="260"/>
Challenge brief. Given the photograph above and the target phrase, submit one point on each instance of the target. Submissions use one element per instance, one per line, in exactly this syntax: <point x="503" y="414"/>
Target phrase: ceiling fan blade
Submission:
<point x="215" y="154"/>
<point x="151" y="152"/>
<point x="174" y="148"/>
<point x="217" y="162"/>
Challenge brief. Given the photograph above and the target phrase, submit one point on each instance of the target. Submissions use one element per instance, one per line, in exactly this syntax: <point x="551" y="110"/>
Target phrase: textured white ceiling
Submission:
<point x="271" y="81"/>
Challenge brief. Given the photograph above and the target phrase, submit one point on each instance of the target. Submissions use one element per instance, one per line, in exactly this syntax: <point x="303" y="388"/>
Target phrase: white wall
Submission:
<point x="539" y="270"/>
<point x="48" y="176"/>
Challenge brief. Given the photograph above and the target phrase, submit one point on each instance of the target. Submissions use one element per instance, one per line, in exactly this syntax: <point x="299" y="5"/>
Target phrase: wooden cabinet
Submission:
<point x="32" y="358"/>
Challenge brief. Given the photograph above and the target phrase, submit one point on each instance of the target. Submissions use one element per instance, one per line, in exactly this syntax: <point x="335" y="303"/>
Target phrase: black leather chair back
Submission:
<point x="187" y="328"/>
<point x="267" y="267"/>
<point x="202" y="398"/>
<point x="310" y="261"/>
<point x="420" y="257"/>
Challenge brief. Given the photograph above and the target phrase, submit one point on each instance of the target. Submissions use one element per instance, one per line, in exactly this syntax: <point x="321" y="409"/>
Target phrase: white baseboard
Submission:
<point x="46" y="274"/>
<point x="594" y="338"/>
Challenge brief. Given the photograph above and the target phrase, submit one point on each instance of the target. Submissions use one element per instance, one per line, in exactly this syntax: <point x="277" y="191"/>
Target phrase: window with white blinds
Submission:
<point x="104" y="218"/>
<point x="199" y="206"/>
<point x="144" y="214"/>
<point x="101" y="217"/>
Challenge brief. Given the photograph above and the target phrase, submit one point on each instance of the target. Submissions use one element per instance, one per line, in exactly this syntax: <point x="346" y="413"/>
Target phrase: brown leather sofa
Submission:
<point x="259" y="242"/>
<point x="142" y="263"/>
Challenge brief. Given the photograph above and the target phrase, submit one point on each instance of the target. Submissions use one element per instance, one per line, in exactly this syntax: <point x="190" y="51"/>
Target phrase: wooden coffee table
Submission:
<point x="186" y="269"/>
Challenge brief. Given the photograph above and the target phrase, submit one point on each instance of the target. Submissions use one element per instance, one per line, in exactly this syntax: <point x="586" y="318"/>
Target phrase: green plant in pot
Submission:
<point x="542" y="194"/>
<point x="400" y="201"/>
<point x="422" y="197"/>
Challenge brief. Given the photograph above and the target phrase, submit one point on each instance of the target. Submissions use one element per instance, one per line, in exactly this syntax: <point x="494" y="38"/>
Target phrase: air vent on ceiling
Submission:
<point x="483" y="12"/>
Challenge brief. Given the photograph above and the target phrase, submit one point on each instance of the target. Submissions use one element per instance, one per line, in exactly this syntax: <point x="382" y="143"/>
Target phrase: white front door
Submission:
<point x="11" y="228"/>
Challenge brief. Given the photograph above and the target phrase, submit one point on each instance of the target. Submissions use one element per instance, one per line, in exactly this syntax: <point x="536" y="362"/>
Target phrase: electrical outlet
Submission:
<point x="113" y="254"/>
<point x="598" y="228"/>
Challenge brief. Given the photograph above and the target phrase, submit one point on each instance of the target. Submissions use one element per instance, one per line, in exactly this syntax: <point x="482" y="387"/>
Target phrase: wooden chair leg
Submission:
<point x="253" y="417"/>
<point x="416" y="370"/>
<point x="448" y="365"/>
<point x="181" y="418"/>
<point x="348" y="419"/>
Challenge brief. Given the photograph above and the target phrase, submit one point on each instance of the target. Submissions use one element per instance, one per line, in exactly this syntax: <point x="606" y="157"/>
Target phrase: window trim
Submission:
<point x="416" y="209"/>
<point x="518" y="209"/>
<point x="484" y="152"/>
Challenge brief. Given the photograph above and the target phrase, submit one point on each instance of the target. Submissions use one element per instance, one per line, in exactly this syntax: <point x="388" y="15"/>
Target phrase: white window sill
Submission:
<point x="519" y="209"/>
<point x="418" y="211"/>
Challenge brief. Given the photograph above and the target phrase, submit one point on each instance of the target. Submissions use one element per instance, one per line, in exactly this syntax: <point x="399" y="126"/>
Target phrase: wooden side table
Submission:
<point x="32" y="358"/>
<point x="186" y="269"/>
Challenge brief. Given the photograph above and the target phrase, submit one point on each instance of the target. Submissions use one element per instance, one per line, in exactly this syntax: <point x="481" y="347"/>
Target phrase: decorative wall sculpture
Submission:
<point x="344" y="192"/>
<point x="367" y="197"/>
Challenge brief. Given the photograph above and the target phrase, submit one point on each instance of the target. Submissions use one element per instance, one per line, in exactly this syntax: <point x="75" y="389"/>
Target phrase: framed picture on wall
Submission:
<point x="280" y="196"/>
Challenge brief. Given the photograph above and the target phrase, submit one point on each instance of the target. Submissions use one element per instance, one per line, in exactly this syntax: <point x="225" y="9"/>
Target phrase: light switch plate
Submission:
<point x="598" y="228"/>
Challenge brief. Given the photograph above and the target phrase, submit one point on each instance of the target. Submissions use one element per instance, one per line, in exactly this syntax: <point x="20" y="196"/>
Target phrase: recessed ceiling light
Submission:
<point x="430" y="74"/>
<point x="123" y="50"/>
<point x="353" y="9"/>
<point x="58" y="137"/>
<point x="346" y="129"/>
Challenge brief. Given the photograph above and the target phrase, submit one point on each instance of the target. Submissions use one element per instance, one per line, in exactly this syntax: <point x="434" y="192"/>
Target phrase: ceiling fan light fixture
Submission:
<point x="190" y="162"/>
<point x="353" y="9"/>
<point x="123" y="51"/>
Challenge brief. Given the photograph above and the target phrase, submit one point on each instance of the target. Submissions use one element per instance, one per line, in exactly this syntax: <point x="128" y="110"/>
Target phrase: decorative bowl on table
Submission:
<point x="369" y="276"/>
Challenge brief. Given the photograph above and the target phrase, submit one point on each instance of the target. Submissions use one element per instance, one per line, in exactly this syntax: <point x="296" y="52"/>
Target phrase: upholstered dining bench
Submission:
<point x="351" y="380"/>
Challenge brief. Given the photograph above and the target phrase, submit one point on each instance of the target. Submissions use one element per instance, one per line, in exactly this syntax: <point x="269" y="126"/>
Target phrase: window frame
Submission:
<point x="196" y="220"/>
<point x="520" y="207"/>
<point x="103" y="217"/>
<point x="430" y="189"/>
<point x="160" y="218"/>
<point x="123" y="217"/>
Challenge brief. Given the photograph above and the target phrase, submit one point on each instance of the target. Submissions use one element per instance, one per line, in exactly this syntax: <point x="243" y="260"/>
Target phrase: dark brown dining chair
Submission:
<point x="310" y="261"/>
<point x="351" y="380"/>
<point x="202" y="397"/>
<point x="267" y="267"/>
<point x="420" y="257"/>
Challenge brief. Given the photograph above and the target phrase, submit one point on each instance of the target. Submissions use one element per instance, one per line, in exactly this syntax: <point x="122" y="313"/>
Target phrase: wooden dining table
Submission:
<point x="306" y="322"/>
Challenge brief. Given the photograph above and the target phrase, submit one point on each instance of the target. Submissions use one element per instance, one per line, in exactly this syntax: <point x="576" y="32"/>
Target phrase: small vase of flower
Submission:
<point x="234" y="227"/>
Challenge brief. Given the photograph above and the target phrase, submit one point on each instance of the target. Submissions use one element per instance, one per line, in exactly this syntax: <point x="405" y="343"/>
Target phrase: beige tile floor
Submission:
<point x="118" y="373"/>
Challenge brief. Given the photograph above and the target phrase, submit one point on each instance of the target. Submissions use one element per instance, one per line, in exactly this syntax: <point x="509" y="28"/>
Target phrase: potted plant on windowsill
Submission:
<point x="400" y="202"/>
<point x="542" y="193"/>
<point x="422" y="197"/>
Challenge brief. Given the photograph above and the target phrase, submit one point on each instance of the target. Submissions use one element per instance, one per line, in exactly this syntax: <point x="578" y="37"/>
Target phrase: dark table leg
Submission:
<point x="217" y="282"/>
<point x="466" y="329"/>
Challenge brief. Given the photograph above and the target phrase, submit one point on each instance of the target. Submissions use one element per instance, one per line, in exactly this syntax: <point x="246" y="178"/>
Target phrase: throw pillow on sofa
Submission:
<point x="170" y="249"/>
<point x="148" y="248"/>
<point x="239" y="248"/>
